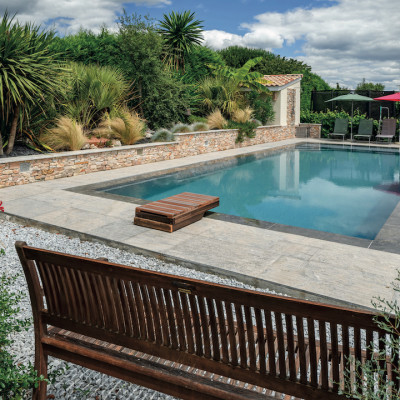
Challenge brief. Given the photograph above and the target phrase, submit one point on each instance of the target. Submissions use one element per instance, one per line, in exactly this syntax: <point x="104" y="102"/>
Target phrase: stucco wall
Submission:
<point x="22" y="170"/>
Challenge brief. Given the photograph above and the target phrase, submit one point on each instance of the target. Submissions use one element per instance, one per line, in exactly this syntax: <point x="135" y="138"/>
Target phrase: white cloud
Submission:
<point x="68" y="16"/>
<point x="343" y="42"/>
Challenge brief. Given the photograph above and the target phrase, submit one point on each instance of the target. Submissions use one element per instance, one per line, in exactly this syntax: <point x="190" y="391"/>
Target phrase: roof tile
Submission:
<point x="281" y="80"/>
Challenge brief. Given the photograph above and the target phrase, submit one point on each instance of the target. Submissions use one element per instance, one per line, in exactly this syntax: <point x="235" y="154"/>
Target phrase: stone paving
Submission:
<point x="298" y="265"/>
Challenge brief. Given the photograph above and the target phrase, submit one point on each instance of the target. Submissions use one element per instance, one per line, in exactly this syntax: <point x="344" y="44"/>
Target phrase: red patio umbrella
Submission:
<point x="390" y="97"/>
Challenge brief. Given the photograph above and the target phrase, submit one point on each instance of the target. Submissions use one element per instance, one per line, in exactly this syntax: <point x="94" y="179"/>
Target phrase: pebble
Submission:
<point x="79" y="383"/>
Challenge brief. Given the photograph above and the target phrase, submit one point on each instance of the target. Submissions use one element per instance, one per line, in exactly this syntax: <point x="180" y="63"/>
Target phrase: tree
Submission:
<point x="160" y="97"/>
<point x="363" y="85"/>
<point x="198" y="64"/>
<point x="29" y="70"/>
<point x="180" y="32"/>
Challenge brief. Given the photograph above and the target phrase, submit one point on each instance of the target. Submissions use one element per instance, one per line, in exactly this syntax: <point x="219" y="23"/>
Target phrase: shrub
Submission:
<point x="160" y="96"/>
<point x="92" y="91"/>
<point x="129" y="128"/>
<point x="256" y="122"/>
<point x="195" y="118"/>
<point x="374" y="383"/>
<point x="66" y="135"/>
<point x="262" y="105"/>
<point x="327" y="119"/>
<point x="242" y="115"/>
<point x="181" y="128"/>
<point x="246" y="129"/>
<point x="216" y="120"/>
<point x="15" y="379"/>
<point x="199" y="127"/>
<point x="163" y="135"/>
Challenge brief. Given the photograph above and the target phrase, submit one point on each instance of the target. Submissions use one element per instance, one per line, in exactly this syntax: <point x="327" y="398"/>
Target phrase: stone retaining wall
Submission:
<point x="22" y="170"/>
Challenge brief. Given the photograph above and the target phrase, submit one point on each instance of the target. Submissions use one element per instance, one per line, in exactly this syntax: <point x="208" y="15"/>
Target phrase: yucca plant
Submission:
<point x="216" y="120"/>
<point x="128" y="128"/>
<point x="28" y="70"/>
<point x="180" y="32"/>
<point x="91" y="91"/>
<point x="66" y="135"/>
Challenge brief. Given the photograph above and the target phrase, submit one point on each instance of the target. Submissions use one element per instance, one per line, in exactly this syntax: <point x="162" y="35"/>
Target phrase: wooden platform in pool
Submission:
<point x="175" y="212"/>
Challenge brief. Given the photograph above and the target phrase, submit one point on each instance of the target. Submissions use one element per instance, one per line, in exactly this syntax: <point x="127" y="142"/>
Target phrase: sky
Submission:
<point x="343" y="41"/>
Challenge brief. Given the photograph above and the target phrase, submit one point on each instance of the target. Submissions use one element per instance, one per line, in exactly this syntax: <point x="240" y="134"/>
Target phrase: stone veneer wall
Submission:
<point x="22" y="170"/>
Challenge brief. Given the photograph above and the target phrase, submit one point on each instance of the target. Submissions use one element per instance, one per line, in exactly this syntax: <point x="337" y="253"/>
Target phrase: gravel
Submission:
<point x="20" y="150"/>
<point x="77" y="382"/>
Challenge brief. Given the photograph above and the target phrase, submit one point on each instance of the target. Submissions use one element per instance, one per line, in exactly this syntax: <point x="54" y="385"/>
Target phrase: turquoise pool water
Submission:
<point x="349" y="191"/>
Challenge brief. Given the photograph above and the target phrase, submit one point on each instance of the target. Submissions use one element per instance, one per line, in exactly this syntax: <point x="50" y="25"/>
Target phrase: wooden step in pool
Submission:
<point x="175" y="212"/>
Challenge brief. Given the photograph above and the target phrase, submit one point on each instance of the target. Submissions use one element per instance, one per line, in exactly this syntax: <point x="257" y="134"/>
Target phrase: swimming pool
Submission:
<point x="347" y="190"/>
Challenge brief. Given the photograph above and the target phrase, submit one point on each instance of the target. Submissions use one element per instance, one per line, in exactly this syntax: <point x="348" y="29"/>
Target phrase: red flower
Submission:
<point x="1" y="208"/>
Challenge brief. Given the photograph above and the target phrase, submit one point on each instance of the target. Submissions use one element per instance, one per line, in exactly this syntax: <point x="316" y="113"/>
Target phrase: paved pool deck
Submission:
<point x="298" y="263"/>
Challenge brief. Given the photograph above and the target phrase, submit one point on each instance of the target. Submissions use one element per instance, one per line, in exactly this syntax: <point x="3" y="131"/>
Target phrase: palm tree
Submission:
<point x="180" y="32"/>
<point x="225" y="90"/>
<point x="28" y="70"/>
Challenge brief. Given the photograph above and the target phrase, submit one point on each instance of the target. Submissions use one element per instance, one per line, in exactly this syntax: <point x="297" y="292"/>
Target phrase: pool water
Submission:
<point x="349" y="191"/>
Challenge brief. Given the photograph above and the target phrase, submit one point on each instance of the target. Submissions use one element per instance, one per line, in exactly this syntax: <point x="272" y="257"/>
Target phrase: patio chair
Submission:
<point x="341" y="127"/>
<point x="365" y="130"/>
<point x="388" y="130"/>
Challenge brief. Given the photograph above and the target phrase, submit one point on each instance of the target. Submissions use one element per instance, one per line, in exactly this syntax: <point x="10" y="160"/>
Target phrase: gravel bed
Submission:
<point x="77" y="382"/>
<point x="20" y="150"/>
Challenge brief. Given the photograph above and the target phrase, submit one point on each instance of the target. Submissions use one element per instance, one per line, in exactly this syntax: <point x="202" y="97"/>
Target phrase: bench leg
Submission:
<point x="41" y="362"/>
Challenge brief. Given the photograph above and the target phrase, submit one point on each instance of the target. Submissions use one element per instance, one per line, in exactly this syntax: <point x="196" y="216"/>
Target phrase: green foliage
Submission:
<point x="197" y="64"/>
<point x="29" y="70"/>
<point x="327" y="119"/>
<point x="91" y="91"/>
<point x="373" y="383"/>
<point x="236" y="56"/>
<point x="225" y="90"/>
<point x="246" y="129"/>
<point x="181" y="128"/>
<point x="242" y="77"/>
<point x="272" y="64"/>
<point x="161" y="98"/>
<point x="199" y="127"/>
<point x="219" y="93"/>
<point x="363" y="85"/>
<point x="87" y="47"/>
<point x="163" y="135"/>
<point x="15" y="379"/>
<point x="309" y="83"/>
<point x="195" y="118"/>
<point x="262" y="106"/>
<point x="180" y="32"/>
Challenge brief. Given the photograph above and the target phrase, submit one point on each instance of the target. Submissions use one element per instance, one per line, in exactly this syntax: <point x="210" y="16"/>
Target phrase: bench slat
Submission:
<point x="241" y="336"/>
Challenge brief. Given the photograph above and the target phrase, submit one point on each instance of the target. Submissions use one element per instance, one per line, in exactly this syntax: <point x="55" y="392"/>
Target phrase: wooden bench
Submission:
<point x="175" y="212"/>
<point x="189" y="338"/>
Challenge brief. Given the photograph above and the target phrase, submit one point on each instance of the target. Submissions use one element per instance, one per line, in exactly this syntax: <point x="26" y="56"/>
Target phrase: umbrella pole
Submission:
<point x="351" y="125"/>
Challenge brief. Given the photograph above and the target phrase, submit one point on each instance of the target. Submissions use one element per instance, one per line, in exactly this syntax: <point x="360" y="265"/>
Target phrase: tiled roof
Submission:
<point x="281" y="80"/>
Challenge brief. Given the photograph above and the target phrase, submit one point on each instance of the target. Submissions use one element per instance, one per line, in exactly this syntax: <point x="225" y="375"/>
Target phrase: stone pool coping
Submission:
<point x="289" y="263"/>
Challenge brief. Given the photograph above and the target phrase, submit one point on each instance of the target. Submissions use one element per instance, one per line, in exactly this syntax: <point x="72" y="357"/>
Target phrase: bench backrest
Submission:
<point x="291" y="346"/>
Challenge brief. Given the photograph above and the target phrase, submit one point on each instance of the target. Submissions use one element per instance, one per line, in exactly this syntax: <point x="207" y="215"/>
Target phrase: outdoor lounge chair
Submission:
<point x="388" y="130"/>
<point x="341" y="127"/>
<point x="365" y="130"/>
